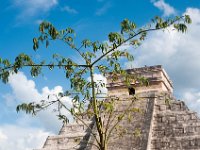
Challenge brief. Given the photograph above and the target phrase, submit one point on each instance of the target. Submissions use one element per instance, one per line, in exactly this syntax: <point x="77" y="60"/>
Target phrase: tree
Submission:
<point x="94" y="54"/>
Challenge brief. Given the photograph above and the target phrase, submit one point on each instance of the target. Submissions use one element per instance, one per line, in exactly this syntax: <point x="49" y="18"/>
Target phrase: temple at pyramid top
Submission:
<point x="156" y="76"/>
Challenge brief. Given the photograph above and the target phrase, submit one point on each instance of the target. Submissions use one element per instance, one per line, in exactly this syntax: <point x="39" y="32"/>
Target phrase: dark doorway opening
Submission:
<point x="131" y="91"/>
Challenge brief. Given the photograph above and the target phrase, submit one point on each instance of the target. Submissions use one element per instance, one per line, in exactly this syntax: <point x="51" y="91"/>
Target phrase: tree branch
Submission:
<point x="81" y="120"/>
<point x="44" y="65"/>
<point x="119" y="120"/>
<point x="128" y="39"/>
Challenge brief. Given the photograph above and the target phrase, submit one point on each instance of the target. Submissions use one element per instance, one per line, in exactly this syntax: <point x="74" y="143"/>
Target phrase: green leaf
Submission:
<point x="86" y="43"/>
<point x="51" y="67"/>
<point x="28" y="108"/>
<point x="127" y="26"/>
<point x="70" y="30"/>
<point x="188" y="19"/>
<point x="6" y="63"/>
<point x="63" y="118"/>
<point x="4" y="76"/>
<point x="35" y="44"/>
<point x="35" y="71"/>
<point x="180" y="27"/>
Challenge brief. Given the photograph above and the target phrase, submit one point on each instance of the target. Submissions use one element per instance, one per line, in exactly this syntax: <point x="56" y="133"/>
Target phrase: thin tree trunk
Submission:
<point x="98" y="120"/>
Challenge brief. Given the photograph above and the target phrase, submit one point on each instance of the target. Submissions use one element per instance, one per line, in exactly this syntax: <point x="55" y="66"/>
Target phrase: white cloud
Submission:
<point x="101" y="79"/>
<point x="24" y="90"/>
<point x="103" y="9"/>
<point x="98" y="78"/>
<point x="14" y="137"/>
<point x="192" y="99"/>
<point x="178" y="53"/>
<point x="23" y="135"/>
<point x="69" y="10"/>
<point x="30" y="8"/>
<point x="3" y="137"/>
<point x="166" y="8"/>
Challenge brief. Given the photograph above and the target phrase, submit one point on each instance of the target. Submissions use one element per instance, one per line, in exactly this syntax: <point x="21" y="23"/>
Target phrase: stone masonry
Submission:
<point x="163" y="124"/>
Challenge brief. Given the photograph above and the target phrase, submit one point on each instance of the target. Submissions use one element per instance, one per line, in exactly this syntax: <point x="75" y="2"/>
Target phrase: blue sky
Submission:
<point x="92" y="19"/>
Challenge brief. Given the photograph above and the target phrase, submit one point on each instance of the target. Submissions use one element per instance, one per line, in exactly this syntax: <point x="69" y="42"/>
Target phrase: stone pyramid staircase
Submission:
<point x="165" y="124"/>
<point x="174" y="126"/>
<point x="72" y="136"/>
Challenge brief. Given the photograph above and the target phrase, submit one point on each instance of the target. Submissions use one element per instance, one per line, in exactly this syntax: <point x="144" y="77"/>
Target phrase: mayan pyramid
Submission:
<point x="165" y="124"/>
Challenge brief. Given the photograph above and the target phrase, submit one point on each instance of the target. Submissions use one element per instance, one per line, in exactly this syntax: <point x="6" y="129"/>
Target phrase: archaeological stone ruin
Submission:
<point x="164" y="123"/>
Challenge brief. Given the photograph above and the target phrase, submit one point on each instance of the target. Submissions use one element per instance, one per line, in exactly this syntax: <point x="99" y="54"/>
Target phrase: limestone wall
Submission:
<point x="137" y="129"/>
<point x="73" y="136"/>
<point x="175" y="126"/>
<point x="156" y="75"/>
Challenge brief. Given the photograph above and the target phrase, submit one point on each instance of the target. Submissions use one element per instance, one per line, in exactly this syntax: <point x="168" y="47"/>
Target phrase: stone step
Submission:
<point x="69" y="135"/>
<point x="169" y="143"/>
<point x="67" y="141"/>
<point x="176" y="113"/>
<point x="169" y="101"/>
<point x="174" y="106"/>
<point x="176" y="118"/>
<point x="175" y="148"/>
<point x="75" y="127"/>
<point x="179" y="124"/>
<point x="176" y="131"/>
<point x="168" y="122"/>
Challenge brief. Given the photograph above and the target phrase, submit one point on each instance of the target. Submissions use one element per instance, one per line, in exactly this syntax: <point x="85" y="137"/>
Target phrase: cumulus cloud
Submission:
<point x="24" y="90"/>
<point x="30" y="8"/>
<point x="178" y="53"/>
<point x="98" y="78"/>
<point x="192" y="99"/>
<point x="3" y="136"/>
<point x="163" y="6"/>
<point x="21" y="138"/>
<point x="23" y="135"/>
<point x="69" y="10"/>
